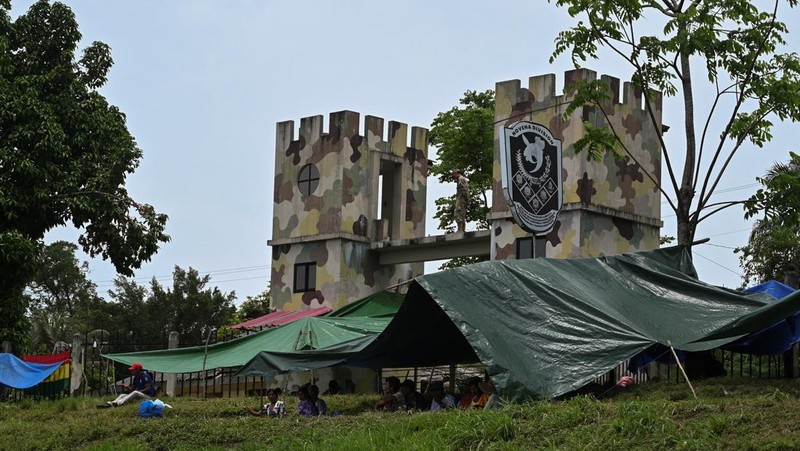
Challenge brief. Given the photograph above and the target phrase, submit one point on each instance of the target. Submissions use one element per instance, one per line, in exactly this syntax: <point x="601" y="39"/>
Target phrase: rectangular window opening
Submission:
<point x="525" y="247"/>
<point x="305" y="277"/>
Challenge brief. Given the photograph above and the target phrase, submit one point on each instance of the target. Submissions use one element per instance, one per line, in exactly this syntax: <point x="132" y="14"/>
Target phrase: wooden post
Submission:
<point x="172" y="379"/>
<point x="5" y="391"/>
<point x="76" y="366"/>
<point x="791" y="358"/>
<point x="677" y="360"/>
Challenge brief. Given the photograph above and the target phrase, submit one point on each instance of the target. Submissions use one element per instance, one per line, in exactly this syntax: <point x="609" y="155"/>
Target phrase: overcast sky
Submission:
<point x="204" y="82"/>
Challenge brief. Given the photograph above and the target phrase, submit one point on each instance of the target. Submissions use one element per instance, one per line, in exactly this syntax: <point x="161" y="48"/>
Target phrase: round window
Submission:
<point x="308" y="179"/>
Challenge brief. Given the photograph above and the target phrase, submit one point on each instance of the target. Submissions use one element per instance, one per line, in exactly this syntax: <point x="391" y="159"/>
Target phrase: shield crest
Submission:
<point x="530" y="160"/>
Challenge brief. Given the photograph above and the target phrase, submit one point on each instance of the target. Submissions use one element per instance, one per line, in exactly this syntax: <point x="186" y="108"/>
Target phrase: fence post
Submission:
<point x="76" y="365"/>
<point x="791" y="358"/>
<point x="5" y="391"/>
<point x="172" y="378"/>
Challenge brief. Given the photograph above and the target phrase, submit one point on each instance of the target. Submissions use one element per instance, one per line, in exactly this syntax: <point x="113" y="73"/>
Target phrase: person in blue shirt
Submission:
<point x="142" y="387"/>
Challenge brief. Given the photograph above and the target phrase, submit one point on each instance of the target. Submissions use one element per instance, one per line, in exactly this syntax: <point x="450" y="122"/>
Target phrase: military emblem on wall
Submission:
<point x="530" y="161"/>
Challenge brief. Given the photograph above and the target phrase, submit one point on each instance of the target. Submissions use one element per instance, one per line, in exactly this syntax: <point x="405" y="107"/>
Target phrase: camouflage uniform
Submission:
<point x="462" y="202"/>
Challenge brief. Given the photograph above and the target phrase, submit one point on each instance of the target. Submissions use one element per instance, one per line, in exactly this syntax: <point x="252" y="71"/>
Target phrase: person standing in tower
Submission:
<point x="462" y="200"/>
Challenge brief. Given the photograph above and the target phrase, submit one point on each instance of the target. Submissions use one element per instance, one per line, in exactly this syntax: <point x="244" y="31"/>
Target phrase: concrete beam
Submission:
<point x="430" y="248"/>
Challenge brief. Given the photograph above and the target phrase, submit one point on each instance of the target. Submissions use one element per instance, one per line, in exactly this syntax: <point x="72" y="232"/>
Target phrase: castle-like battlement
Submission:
<point x="347" y="124"/>
<point x="541" y="94"/>
<point x="337" y="189"/>
<point x="610" y="206"/>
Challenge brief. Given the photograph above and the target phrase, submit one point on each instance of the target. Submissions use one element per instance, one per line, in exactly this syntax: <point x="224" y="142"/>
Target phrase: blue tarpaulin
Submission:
<point x="775" y="339"/>
<point x="16" y="373"/>
<point x="773" y="288"/>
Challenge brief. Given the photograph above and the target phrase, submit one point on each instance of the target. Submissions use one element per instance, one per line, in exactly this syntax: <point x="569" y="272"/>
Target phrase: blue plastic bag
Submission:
<point x="150" y="409"/>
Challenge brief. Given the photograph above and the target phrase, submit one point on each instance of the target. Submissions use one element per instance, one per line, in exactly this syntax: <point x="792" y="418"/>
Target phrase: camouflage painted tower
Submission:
<point x="335" y="193"/>
<point x="609" y="207"/>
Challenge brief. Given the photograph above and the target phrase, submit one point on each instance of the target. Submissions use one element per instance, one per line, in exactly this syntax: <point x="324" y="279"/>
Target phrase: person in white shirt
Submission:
<point x="392" y="399"/>
<point x="274" y="409"/>
<point x="441" y="400"/>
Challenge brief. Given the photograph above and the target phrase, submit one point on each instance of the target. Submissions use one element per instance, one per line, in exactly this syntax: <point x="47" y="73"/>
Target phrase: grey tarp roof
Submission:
<point x="544" y="327"/>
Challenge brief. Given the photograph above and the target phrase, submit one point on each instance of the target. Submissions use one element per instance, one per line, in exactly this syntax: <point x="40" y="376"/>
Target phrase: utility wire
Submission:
<point x="725" y="190"/>
<point x="219" y="272"/>
<point x="714" y="262"/>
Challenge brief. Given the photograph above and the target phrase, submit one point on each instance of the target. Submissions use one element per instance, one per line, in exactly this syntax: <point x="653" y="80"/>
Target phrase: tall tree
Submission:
<point x="61" y="299"/>
<point x="255" y="306"/>
<point x="64" y="155"/>
<point x="670" y="45"/>
<point x="60" y="284"/>
<point x="774" y="245"/>
<point x="129" y="312"/>
<point x="190" y="308"/>
<point x="464" y="138"/>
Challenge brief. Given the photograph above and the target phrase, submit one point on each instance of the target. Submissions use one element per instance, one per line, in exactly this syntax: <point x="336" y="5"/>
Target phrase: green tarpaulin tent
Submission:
<point x="544" y="327"/>
<point x="383" y="304"/>
<point x="302" y="335"/>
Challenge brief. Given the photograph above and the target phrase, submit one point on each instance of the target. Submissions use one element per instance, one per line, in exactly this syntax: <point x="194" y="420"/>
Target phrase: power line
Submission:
<point x="719" y="245"/>
<point x="725" y="190"/>
<point x="730" y="233"/>
<point x="218" y="272"/>
<point x="712" y="261"/>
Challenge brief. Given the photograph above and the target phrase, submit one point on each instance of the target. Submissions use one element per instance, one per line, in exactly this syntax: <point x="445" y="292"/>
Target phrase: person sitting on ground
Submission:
<point x="333" y="388"/>
<point x="474" y="397"/>
<point x="414" y="399"/>
<point x="142" y="387"/>
<point x="306" y="407"/>
<point x="313" y="396"/>
<point x="392" y="399"/>
<point x="275" y="408"/>
<point x="492" y="400"/>
<point x="441" y="400"/>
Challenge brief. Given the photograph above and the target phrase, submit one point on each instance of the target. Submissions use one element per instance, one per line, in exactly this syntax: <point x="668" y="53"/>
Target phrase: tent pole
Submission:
<point x="205" y="358"/>
<point x="262" y="391"/>
<point x="299" y="335"/>
<point x="430" y="379"/>
<point x="398" y="285"/>
<point x="674" y="354"/>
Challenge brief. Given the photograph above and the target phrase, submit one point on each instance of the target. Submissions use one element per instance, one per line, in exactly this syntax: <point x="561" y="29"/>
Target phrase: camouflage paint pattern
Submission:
<point x="611" y="206"/>
<point x="335" y="224"/>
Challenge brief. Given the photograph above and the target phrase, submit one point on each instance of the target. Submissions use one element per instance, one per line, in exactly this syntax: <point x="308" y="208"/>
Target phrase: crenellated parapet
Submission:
<point x="610" y="206"/>
<point x="336" y="191"/>
<point x="348" y="164"/>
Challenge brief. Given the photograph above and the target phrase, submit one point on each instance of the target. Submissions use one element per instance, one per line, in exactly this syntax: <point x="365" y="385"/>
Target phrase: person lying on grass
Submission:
<point x="275" y="408"/>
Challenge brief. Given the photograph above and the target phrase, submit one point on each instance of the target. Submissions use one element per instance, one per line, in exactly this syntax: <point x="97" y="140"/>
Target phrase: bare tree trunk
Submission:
<point x="685" y="195"/>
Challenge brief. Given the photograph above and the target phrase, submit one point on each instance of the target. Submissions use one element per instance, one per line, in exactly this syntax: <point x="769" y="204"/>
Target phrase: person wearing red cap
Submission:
<point x="141" y="388"/>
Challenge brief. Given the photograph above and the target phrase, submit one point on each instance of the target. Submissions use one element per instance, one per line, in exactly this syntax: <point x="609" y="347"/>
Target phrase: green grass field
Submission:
<point x="751" y="414"/>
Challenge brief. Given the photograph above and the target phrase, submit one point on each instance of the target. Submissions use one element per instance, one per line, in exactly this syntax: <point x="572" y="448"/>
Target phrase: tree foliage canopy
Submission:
<point x="774" y="245"/>
<point x="190" y="307"/>
<point x="735" y="44"/>
<point x="65" y="153"/>
<point x="464" y="138"/>
<point x="63" y="301"/>
<point x="255" y="306"/>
